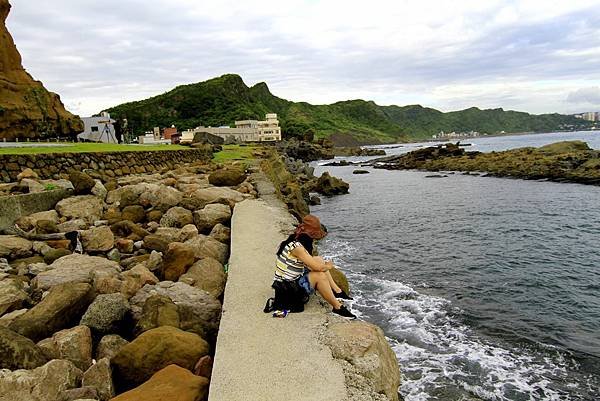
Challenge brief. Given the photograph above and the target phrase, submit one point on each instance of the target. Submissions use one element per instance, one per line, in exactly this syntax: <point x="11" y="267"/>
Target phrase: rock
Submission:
<point x="107" y="314"/>
<point x="75" y="268"/>
<point x="40" y="247"/>
<point x="153" y="350"/>
<point x="564" y="147"/>
<point x="99" y="376"/>
<point x="129" y="229"/>
<point x="46" y="227"/>
<point x="314" y="200"/>
<point x="360" y="172"/>
<point x="113" y="215"/>
<point x="178" y="258"/>
<point x="109" y="346"/>
<point x="133" y="213"/>
<point x="176" y="216"/>
<point x="199" y="311"/>
<point x="18" y="352"/>
<point x="170" y="383"/>
<point x="328" y="185"/>
<point x="99" y="190"/>
<point x="227" y="177"/>
<point x="74" y="345"/>
<point x="364" y="346"/>
<point x="14" y="247"/>
<point x="135" y="279"/>
<point x="204" y="367"/>
<point x="7" y="318"/>
<point x="86" y="207"/>
<point x="340" y="279"/>
<point x="160" y="197"/>
<point x="114" y="255"/>
<point x="86" y="393"/>
<point x="208" y="275"/>
<point x="154" y="215"/>
<point x="72" y="225"/>
<point x="28" y="222"/>
<point x="210" y="216"/>
<point x="158" y="311"/>
<point x="27" y="173"/>
<point x="82" y="183"/>
<point x="156" y="242"/>
<point x="154" y="262"/>
<point x="12" y="295"/>
<point x="59" y="243"/>
<point x="62" y="307"/>
<point x="97" y="239"/>
<point x="221" y="233"/>
<point x="45" y="383"/>
<point x="188" y="231"/>
<point x="204" y="246"/>
<point x="55" y="254"/>
<point x="202" y="197"/>
<point x="124" y="245"/>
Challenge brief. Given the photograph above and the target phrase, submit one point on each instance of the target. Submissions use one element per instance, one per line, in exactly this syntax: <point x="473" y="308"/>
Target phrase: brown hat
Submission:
<point x="312" y="227"/>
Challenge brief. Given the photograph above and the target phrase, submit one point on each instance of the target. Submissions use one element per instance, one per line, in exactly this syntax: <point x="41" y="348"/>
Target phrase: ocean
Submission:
<point x="487" y="288"/>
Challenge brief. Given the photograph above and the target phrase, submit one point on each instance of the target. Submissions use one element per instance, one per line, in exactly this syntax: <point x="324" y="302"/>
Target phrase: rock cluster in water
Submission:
<point x="569" y="161"/>
<point x="27" y="109"/>
<point x="131" y="303"/>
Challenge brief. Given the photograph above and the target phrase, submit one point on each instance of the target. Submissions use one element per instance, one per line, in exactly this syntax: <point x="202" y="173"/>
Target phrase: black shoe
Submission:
<point x="343" y="312"/>
<point x="342" y="295"/>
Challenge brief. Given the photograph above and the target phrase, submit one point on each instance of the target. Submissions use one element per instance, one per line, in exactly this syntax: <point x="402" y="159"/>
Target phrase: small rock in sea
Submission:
<point x="315" y="200"/>
<point x="360" y="172"/>
<point x="435" y="176"/>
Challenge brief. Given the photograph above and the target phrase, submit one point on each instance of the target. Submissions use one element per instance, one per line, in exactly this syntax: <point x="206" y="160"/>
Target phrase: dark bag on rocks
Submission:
<point x="288" y="295"/>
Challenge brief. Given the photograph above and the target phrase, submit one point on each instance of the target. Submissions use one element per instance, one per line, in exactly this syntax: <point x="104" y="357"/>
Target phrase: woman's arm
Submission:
<point x="315" y="264"/>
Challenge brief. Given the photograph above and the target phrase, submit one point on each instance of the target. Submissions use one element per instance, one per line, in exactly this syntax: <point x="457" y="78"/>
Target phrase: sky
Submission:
<point x="538" y="56"/>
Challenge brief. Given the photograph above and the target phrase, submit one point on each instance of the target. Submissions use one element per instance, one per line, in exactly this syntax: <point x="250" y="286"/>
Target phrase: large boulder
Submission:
<point x="364" y="347"/>
<point x="229" y="177"/>
<point x="178" y="258"/>
<point x="221" y="233"/>
<point x="53" y="255"/>
<point x="210" y="216"/>
<point x="14" y="247"/>
<point x="158" y="311"/>
<point x="176" y="216"/>
<point x="63" y="306"/>
<point x="82" y="183"/>
<point x="45" y="383"/>
<point x="129" y="229"/>
<point x="208" y="275"/>
<point x="133" y="213"/>
<point x="170" y="383"/>
<point x="12" y="295"/>
<point x="86" y="207"/>
<point x="198" y="310"/>
<point x="75" y="268"/>
<point x="99" y="376"/>
<point x="160" y="197"/>
<point x="208" y="247"/>
<point x="74" y="345"/>
<point x="109" y="346"/>
<point x="202" y="197"/>
<point x="136" y="278"/>
<point x="29" y="222"/>
<point x="156" y="242"/>
<point x="328" y="185"/>
<point x="97" y="239"/>
<point x="18" y="352"/>
<point x="153" y="350"/>
<point x="107" y="314"/>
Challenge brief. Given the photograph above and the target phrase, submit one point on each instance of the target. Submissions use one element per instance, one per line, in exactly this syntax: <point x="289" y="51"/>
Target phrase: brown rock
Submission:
<point x="124" y="245"/>
<point x="109" y="346"/>
<point x="340" y="279"/>
<point x="134" y="213"/>
<point x="153" y="350"/>
<point x="158" y="311"/>
<point x="170" y="383"/>
<point x="99" y="376"/>
<point x="87" y="207"/>
<point x="227" y="177"/>
<point x="178" y="258"/>
<point x="208" y="275"/>
<point x="18" y="352"/>
<point x="113" y="215"/>
<point x="13" y="247"/>
<point x="210" y="216"/>
<point x="28" y="222"/>
<point x="129" y="229"/>
<point x="176" y="216"/>
<point x="46" y="227"/>
<point x="204" y="246"/>
<point x="156" y="243"/>
<point x="59" y="243"/>
<point x="135" y="279"/>
<point x="55" y="254"/>
<point x="221" y="233"/>
<point x="12" y="295"/>
<point x="97" y="239"/>
<point x="204" y="367"/>
<point x="74" y="345"/>
<point x="82" y="183"/>
<point x="27" y="173"/>
<point x="154" y="215"/>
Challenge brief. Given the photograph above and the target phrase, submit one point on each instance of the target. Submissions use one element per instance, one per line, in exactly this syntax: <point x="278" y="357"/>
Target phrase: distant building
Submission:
<point x="590" y="116"/>
<point x="98" y="129"/>
<point x="169" y="132"/>
<point x="244" y="131"/>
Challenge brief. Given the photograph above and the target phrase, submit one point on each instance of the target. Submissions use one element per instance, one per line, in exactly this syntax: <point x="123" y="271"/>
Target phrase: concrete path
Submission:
<point x="258" y="357"/>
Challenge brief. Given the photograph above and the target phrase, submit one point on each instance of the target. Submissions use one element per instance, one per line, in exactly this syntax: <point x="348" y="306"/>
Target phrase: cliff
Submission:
<point x="27" y="109"/>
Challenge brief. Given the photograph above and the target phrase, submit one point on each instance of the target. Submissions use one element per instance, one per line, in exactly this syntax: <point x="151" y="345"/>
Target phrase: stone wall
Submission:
<point x="107" y="164"/>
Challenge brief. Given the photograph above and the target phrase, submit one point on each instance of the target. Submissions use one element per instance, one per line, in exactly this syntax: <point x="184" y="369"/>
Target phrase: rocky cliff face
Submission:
<point x="27" y="109"/>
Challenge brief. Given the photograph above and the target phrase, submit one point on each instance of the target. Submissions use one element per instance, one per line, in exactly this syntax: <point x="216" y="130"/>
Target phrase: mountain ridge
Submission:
<point x="224" y="99"/>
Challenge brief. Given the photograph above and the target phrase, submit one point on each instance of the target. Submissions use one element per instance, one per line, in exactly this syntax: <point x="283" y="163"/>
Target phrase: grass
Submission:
<point x="235" y="152"/>
<point x="86" y="148"/>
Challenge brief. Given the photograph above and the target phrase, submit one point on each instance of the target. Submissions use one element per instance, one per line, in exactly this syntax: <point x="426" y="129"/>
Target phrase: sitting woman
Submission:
<point x="295" y="262"/>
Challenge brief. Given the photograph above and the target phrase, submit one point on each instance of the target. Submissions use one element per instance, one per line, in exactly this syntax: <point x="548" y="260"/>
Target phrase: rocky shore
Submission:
<point x="569" y="161"/>
<point x="117" y="290"/>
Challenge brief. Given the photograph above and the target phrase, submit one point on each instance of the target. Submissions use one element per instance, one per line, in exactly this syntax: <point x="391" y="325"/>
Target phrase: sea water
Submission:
<point x="487" y="288"/>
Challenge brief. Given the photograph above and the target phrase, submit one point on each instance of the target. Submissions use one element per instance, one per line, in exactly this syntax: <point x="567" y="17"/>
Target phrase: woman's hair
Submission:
<point x="304" y="239"/>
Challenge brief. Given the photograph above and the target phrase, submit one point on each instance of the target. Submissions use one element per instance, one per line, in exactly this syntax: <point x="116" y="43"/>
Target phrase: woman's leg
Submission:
<point x="320" y="282"/>
<point x="332" y="283"/>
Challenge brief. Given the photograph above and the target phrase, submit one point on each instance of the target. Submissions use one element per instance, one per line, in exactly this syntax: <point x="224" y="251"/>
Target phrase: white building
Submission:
<point x="98" y="129"/>
<point x="244" y="131"/>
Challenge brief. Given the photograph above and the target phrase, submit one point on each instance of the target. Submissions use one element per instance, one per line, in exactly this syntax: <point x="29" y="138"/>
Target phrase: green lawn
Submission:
<point x="86" y="148"/>
<point x="235" y="152"/>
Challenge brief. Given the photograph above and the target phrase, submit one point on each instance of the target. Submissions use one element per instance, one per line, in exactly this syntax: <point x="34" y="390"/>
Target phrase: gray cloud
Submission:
<point x="589" y="95"/>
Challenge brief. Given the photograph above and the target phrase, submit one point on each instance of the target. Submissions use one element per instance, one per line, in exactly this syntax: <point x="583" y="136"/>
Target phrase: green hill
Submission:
<point x="225" y="99"/>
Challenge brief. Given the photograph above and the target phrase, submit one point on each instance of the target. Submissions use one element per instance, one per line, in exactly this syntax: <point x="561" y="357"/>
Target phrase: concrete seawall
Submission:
<point x="261" y="358"/>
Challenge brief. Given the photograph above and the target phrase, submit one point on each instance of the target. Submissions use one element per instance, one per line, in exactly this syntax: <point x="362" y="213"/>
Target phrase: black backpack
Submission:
<point x="288" y="295"/>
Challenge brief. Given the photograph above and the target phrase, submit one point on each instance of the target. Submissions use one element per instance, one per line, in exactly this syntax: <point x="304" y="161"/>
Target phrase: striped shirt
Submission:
<point x="288" y="267"/>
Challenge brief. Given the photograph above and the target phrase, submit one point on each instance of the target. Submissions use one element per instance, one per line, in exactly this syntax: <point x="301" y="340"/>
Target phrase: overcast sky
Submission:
<point x="537" y="56"/>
